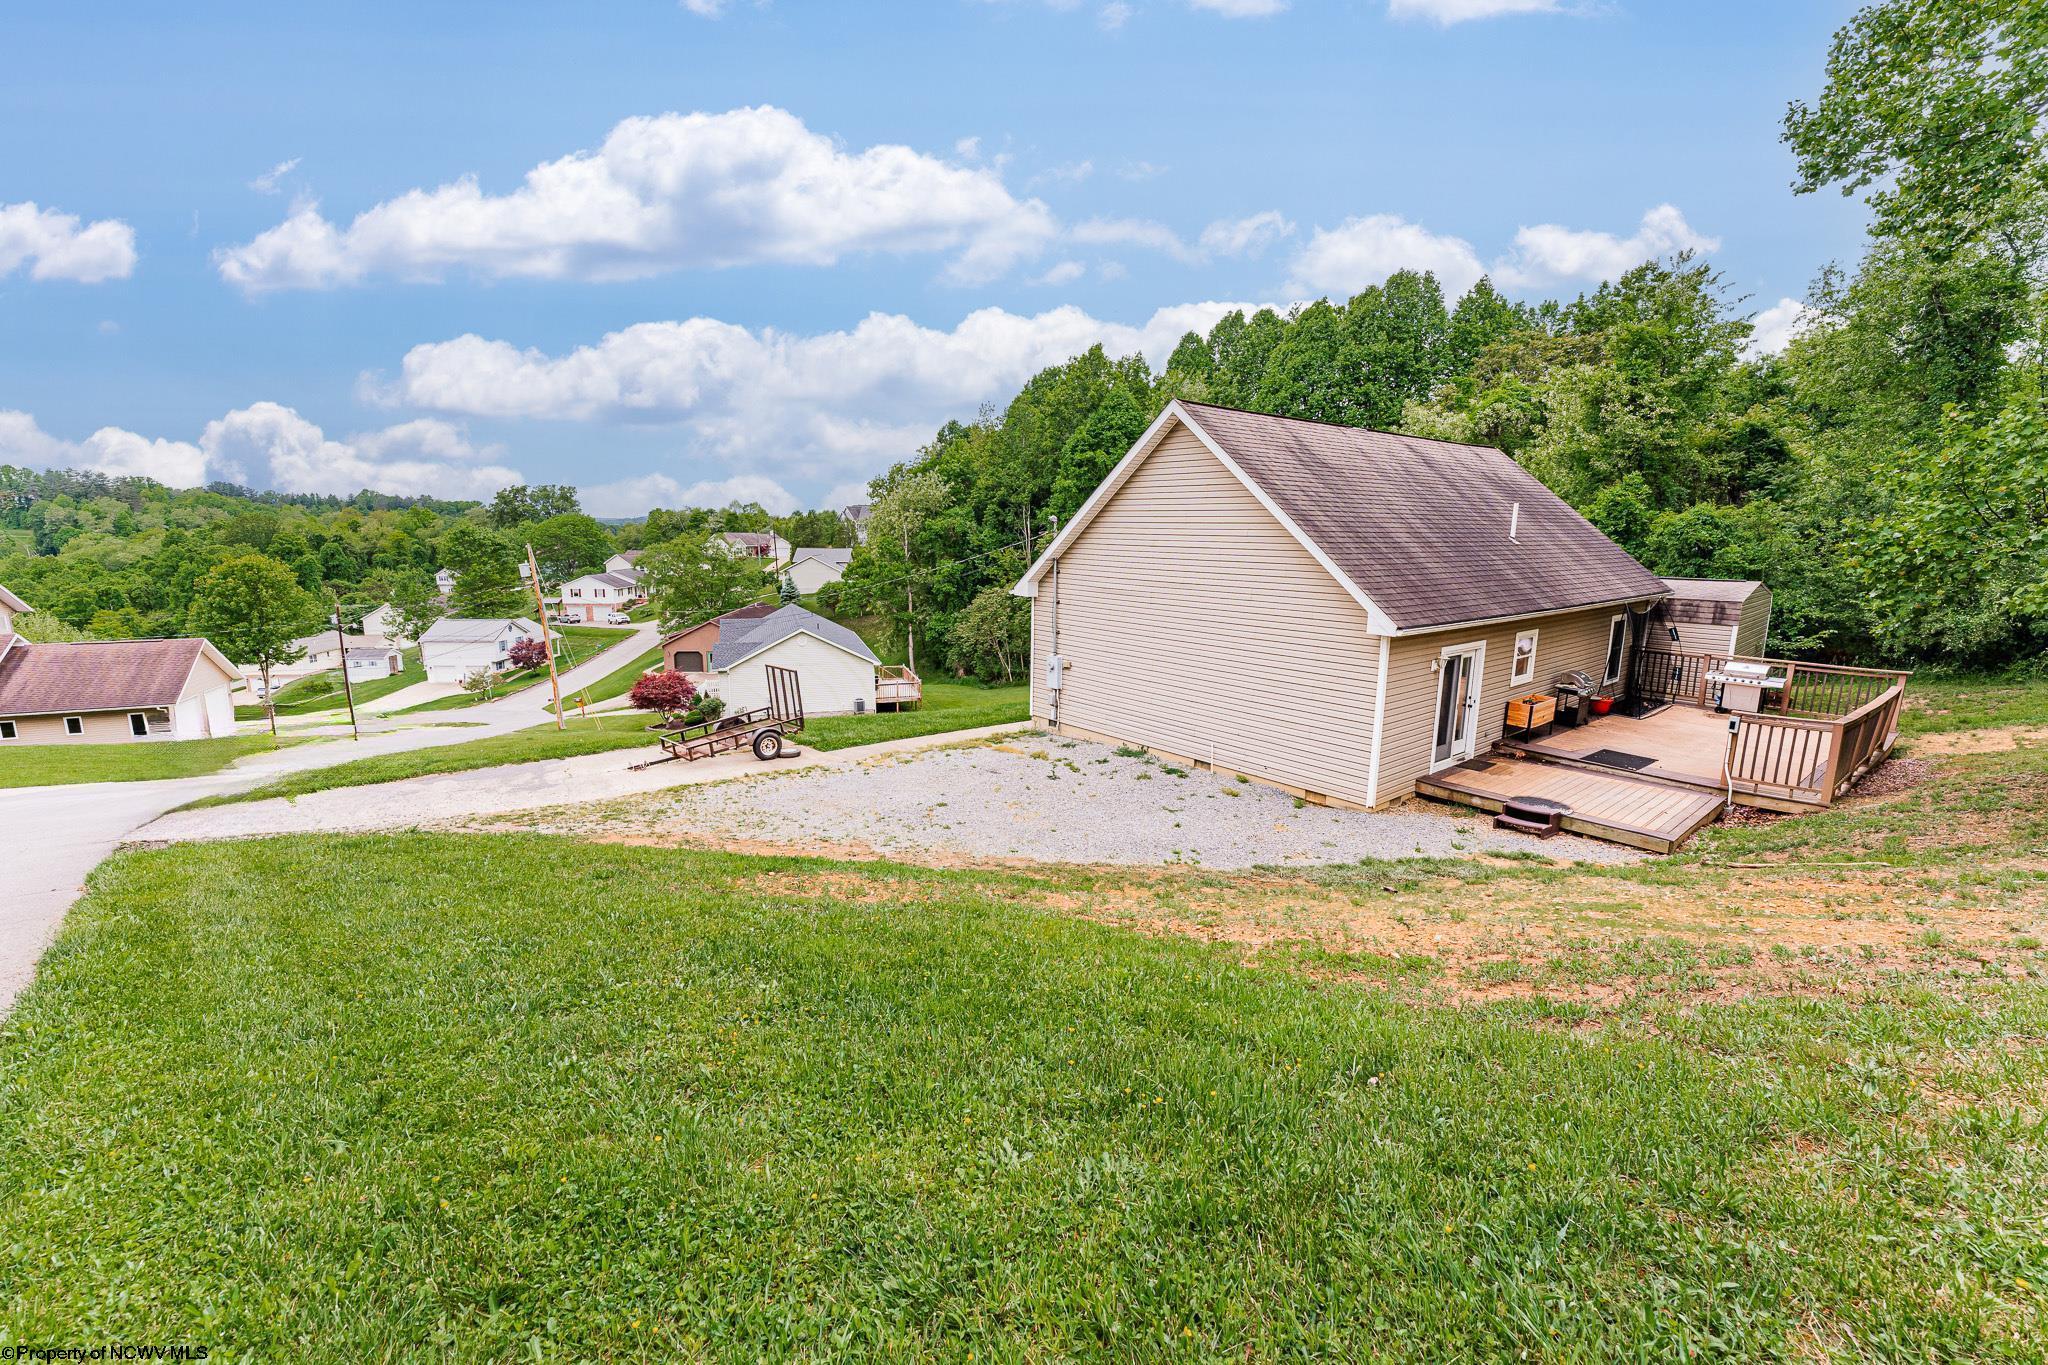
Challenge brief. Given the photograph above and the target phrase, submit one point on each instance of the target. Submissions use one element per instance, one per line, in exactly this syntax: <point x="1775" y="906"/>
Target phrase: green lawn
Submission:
<point x="322" y="691"/>
<point x="581" y="735"/>
<point x="495" y="1098"/>
<point x="578" y="644"/>
<point x="1937" y="703"/>
<point x="947" y="706"/>
<point x="44" y="765"/>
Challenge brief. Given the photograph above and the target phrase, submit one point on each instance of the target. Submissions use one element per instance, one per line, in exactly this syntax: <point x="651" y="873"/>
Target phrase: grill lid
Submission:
<point x="1575" y="680"/>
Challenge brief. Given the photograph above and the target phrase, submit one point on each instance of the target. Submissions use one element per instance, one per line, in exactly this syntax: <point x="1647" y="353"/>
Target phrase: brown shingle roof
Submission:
<point x="1421" y="526"/>
<point x="94" y="675"/>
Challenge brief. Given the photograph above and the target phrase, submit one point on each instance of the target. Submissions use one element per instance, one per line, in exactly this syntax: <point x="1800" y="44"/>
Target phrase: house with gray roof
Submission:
<point x="456" y="647"/>
<point x="596" y="596"/>
<point x="812" y="567"/>
<point x="1340" y="612"/>
<point x="729" y="655"/>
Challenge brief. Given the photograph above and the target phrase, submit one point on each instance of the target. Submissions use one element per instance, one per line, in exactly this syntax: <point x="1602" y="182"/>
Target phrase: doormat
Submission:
<point x="1615" y="758"/>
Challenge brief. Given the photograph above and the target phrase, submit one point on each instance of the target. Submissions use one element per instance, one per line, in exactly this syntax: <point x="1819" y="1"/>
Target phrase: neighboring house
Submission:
<point x="381" y="624"/>
<point x="625" y="561"/>
<point x="371" y="662"/>
<point x="444" y="581"/>
<point x="856" y="516"/>
<point x="1713" y="616"/>
<point x="1336" y="611"/>
<point x="10" y="607"/>
<point x="755" y="545"/>
<point x="455" y="647"/>
<point x="689" y="651"/>
<point x="324" y="651"/>
<point x="592" y="596"/>
<point x="112" y="691"/>
<point x="812" y="569"/>
<point x="834" y="667"/>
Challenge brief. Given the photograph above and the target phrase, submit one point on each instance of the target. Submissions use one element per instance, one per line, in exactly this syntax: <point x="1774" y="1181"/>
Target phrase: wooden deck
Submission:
<point x="1685" y="743"/>
<point x="1655" y="816"/>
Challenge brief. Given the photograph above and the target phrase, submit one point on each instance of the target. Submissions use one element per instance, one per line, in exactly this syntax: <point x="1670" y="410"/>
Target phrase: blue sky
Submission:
<point x="681" y="251"/>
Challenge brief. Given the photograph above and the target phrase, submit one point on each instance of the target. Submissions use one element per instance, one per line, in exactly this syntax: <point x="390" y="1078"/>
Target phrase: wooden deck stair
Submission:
<point x="1643" y="813"/>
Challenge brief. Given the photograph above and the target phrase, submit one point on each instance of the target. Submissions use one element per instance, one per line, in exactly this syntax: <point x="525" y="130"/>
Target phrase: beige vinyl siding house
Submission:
<point x="114" y="691"/>
<point x="1333" y="611"/>
<point x="1171" y="625"/>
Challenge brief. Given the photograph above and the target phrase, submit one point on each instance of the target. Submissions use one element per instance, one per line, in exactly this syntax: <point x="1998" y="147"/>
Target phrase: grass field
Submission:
<point x="1938" y="703"/>
<point x="947" y="706"/>
<point x="44" y="765"/>
<point x="600" y="1102"/>
<point x="322" y="691"/>
<point x="578" y="644"/>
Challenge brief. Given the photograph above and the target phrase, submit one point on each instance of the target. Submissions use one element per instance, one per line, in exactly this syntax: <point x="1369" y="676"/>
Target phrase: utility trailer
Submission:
<point x="764" y="729"/>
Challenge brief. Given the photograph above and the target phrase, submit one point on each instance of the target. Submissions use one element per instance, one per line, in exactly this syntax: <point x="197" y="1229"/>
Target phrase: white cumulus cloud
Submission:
<point x="663" y="193"/>
<point x="1225" y="237"/>
<point x="1778" y="326"/>
<point x="273" y="446"/>
<point x="1549" y="254"/>
<point x="57" y="246"/>
<point x="1359" y="252"/>
<point x="110" y="450"/>
<point x="807" y="408"/>
<point x="1448" y="12"/>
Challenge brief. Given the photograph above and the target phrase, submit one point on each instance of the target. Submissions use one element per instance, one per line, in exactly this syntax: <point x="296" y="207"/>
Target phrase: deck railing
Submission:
<point x="1821" y="729"/>
<point x="897" y="686"/>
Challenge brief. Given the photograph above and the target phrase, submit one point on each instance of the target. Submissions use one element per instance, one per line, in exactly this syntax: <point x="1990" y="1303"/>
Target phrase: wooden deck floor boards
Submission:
<point x="1648" y="815"/>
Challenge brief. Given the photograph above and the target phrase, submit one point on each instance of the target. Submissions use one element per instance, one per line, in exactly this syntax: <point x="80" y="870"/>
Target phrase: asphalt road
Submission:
<point x="57" y="835"/>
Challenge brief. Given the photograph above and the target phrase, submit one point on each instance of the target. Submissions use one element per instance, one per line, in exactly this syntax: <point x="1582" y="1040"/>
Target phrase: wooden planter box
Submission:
<point x="1526" y="713"/>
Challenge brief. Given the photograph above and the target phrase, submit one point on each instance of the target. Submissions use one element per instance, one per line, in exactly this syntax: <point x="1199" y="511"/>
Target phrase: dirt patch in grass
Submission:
<point x="2001" y="740"/>
<point x="1505" y="931"/>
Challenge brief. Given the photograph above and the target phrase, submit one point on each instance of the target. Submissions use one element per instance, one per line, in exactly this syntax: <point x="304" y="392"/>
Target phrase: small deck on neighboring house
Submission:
<point x="897" y="687"/>
<point x="1654" y="780"/>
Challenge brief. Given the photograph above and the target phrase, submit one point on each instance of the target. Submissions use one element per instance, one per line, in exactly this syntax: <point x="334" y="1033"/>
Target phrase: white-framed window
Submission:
<point x="74" y="725"/>
<point x="138" y="725"/>
<point x="1525" y="657"/>
<point x="1617" y="640"/>
<point x="7" y="729"/>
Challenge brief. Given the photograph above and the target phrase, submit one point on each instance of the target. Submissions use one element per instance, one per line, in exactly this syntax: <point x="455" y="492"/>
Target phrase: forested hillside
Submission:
<point x="1887" y="473"/>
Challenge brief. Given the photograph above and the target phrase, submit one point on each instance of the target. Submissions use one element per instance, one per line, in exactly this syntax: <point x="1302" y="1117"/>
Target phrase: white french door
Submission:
<point x="1457" y="705"/>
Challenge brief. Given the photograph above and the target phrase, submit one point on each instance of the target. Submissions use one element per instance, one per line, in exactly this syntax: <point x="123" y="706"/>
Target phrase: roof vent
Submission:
<point x="1514" y="520"/>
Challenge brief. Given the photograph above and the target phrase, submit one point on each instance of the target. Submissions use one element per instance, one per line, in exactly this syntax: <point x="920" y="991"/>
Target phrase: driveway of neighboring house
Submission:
<point x="59" y="834"/>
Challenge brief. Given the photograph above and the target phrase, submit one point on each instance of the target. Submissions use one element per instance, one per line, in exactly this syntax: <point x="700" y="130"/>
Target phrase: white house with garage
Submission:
<point x="595" y="596"/>
<point x="833" y="665"/>
<point x="455" y="647"/>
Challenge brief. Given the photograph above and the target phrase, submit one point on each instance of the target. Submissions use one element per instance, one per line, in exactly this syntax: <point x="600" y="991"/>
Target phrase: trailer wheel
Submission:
<point x="768" y="744"/>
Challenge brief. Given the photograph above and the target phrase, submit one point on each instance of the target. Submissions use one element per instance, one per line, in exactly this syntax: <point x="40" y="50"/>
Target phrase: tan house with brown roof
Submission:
<point x="110" y="691"/>
<point x="1339" y="612"/>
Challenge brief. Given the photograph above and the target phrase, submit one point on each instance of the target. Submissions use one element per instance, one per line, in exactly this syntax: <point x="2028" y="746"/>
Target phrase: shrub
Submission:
<point x="708" y="706"/>
<point x="664" y="692"/>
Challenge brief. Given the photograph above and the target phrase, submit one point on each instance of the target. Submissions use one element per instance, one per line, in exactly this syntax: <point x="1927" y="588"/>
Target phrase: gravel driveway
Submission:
<point x="1058" y="800"/>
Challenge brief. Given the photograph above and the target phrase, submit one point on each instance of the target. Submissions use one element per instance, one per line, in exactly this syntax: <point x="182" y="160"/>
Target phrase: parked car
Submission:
<point x="617" y="618"/>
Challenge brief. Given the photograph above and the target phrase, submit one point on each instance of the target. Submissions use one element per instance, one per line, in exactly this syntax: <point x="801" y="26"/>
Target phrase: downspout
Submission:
<point x="1057" y="672"/>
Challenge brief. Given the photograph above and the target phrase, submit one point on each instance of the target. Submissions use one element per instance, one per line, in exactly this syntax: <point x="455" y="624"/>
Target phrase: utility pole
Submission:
<point x="547" y="636"/>
<point x="909" y="600"/>
<point x="341" y="643"/>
